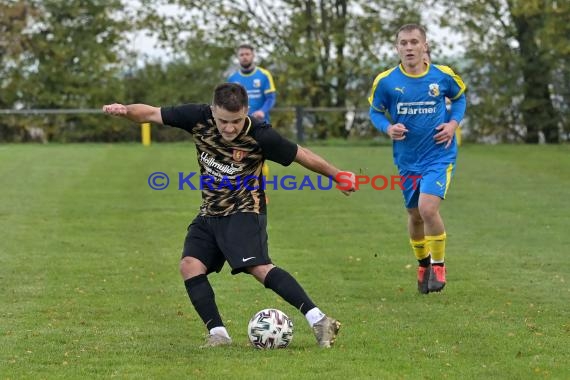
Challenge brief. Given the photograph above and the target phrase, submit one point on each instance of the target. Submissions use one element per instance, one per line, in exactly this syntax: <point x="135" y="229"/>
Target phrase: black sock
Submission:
<point x="425" y="262"/>
<point x="285" y="285"/>
<point x="202" y="296"/>
<point x="438" y="264"/>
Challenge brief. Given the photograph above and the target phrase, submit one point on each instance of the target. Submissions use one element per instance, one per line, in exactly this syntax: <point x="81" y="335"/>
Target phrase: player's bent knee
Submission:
<point x="190" y="267"/>
<point x="415" y="216"/>
<point x="428" y="213"/>
<point x="416" y="219"/>
<point x="260" y="271"/>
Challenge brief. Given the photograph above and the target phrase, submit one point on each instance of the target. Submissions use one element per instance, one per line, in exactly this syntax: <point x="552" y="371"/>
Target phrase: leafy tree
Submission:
<point x="515" y="65"/>
<point x="74" y="54"/>
<point x="68" y="57"/>
<point x="322" y="53"/>
<point x="13" y="20"/>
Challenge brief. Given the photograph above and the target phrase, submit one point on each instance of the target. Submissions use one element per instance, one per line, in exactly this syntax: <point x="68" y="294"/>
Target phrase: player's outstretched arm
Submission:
<point x="139" y="113"/>
<point x="317" y="164"/>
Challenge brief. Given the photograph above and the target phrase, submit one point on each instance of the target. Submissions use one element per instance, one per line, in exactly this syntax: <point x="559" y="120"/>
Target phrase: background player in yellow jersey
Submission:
<point x="259" y="85"/>
<point x="407" y="103"/>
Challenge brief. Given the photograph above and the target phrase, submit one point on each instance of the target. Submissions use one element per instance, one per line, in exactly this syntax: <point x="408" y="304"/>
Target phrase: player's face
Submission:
<point x="245" y="57"/>
<point x="411" y="47"/>
<point x="229" y="124"/>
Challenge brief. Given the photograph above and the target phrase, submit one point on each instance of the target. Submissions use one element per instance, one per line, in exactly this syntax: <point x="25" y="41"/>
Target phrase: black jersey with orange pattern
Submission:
<point x="231" y="177"/>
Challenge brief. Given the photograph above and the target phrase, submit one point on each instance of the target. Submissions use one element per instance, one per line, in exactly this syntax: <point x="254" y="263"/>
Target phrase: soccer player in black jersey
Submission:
<point x="231" y="224"/>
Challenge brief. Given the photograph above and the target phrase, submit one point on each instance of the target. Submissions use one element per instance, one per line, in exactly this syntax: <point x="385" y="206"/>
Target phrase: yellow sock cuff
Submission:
<point x="436" y="246"/>
<point x="419" y="248"/>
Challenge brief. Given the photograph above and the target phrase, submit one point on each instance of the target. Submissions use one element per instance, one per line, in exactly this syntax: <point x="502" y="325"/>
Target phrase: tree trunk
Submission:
<point x="537" y="109"/>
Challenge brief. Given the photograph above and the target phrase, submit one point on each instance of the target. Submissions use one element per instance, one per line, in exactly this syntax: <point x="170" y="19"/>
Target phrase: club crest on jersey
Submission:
<point x="238" y="155"/>
<point x="257" y="83"/>
<point x="434" y="90"/>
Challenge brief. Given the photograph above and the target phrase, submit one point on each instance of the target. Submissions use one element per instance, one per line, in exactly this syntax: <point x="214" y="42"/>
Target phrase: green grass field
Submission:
<point x="89" y="283"/>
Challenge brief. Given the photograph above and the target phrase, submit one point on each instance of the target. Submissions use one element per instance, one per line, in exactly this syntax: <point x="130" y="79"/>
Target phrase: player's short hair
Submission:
<point x="411" y="27"/>
<point x="230" y="96"/>
<point x="246" y="46"/>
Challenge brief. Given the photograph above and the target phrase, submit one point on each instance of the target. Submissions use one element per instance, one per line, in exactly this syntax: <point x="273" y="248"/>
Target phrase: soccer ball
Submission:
<point x="270" y="328"/>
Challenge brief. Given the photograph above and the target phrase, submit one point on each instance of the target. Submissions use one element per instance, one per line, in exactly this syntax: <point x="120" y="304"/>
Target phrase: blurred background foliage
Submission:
<point x="323" y="54"/>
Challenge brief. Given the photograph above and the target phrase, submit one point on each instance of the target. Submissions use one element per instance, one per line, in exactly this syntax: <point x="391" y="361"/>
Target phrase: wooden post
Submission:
<point x="145" y="134"/>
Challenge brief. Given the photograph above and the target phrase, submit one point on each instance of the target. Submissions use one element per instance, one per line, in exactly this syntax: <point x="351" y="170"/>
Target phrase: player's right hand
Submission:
<point x="115" y="109"/>
<point x="346" y="182"/>
<point x="397" y="131"/>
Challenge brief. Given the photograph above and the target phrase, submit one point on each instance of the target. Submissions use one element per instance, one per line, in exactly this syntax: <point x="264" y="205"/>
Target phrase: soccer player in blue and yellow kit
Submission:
<point x="407" y="102"/>
<point x="257" y="81"/>
<point x="259" y="85"/>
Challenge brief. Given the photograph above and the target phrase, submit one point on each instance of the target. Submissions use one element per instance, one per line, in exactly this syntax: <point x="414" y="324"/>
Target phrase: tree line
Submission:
<point x="512" y="54"/>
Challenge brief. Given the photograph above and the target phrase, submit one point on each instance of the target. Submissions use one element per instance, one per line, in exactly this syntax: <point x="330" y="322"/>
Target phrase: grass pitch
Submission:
<point x="90" y="285"/>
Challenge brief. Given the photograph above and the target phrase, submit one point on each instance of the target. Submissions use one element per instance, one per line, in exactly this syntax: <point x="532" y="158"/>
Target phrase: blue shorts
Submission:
<point x="434" y="180"/>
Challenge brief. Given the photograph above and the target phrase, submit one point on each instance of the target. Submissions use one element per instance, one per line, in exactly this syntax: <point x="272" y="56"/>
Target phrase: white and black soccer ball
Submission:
<point x="270" y="328"/>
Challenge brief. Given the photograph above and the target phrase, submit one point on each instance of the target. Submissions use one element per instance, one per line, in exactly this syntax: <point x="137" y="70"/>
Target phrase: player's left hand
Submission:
<point x="446" y="133"/>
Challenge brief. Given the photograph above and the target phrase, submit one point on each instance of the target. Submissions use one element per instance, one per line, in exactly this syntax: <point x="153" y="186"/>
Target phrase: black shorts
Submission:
<point x="240" y="239"/>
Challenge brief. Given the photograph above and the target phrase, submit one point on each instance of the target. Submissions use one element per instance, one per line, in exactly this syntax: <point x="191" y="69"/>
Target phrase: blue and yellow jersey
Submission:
<point x="418" y="102"/>
<point x="259" y="85"/>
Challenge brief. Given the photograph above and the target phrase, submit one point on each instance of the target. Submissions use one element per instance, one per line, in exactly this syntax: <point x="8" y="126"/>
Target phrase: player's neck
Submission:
<point x="247" y="70"/>
<point x="416" y="69"/>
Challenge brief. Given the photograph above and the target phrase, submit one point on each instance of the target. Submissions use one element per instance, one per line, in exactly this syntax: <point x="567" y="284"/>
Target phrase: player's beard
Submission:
<point x="249" y="67"/>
